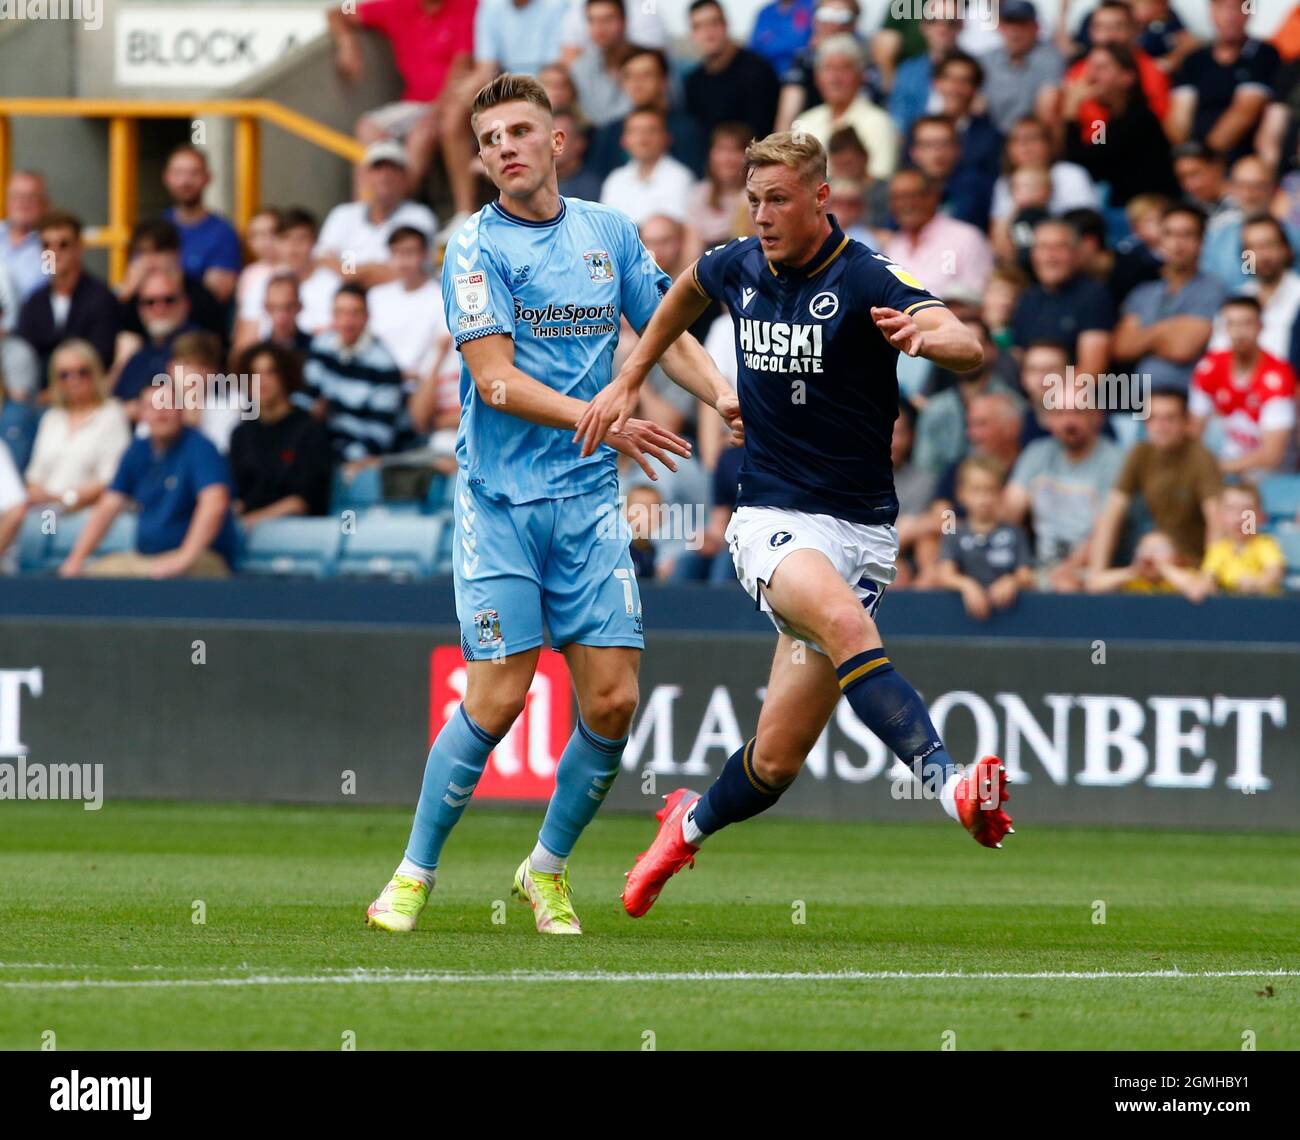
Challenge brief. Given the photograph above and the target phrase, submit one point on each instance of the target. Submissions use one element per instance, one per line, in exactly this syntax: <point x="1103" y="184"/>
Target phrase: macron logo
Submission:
<point x="746" y="295"/>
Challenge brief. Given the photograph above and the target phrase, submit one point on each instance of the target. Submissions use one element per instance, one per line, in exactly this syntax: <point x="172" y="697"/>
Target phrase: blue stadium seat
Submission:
<point x="440" y="495"/>
<point x="1280" y="495"/>
<point x="292" y="548"/>
<point x="1289" y="539"/>
<point x="386" y="545"/>
<point x="445" y="552"/>
<point x="120" y="537"/>
<point x="66" y="529"/>
<point x="360" y="493"/>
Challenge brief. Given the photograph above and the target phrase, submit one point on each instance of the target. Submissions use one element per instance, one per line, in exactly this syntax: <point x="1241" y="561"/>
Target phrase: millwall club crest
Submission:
<point x="600" y="268"/>
<point x="487" y="624"/>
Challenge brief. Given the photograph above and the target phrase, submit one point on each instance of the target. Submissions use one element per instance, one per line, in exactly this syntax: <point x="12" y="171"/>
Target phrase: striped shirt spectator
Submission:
<point x="352" y="382"/>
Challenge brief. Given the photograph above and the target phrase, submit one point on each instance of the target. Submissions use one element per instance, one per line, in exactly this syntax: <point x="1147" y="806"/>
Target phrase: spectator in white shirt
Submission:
<point x="652" y="181"/>
<point x="406" y="313"/>
<point x="295" y="241"/>
<point x="839" y="75"/>
<point x="354" y="240"/>
<point x="80" y="441"/>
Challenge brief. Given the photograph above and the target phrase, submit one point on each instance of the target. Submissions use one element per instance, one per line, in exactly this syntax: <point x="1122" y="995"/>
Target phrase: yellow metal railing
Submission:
<point x="124" y="117"/>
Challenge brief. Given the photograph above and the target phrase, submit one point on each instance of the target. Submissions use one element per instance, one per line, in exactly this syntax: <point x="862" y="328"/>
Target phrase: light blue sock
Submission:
<point x="454" y="766"/>
<point x="583" y="778"/>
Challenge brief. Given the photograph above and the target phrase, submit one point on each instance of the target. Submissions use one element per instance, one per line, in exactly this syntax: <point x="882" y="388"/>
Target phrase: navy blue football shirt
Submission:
<point x="818" y="383"/>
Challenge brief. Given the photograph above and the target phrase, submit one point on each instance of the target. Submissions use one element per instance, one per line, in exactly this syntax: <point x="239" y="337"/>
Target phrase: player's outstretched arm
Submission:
<point x="932" y="332"/>
<point x="680" y="308"/>
<point x="690" y="367"/>
<point x="491" y="361"/>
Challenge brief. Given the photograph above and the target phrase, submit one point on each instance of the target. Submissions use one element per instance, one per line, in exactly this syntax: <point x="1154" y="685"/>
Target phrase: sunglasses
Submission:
<point x="150" y="302"/>
<point x="82" y="373"/>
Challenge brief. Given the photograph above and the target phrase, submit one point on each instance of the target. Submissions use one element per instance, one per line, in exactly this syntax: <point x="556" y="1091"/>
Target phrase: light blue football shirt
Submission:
<point x="559" y="289"/>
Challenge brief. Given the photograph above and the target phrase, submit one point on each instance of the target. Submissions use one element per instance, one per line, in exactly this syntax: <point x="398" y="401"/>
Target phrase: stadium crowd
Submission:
<point x="1114" y="209"/>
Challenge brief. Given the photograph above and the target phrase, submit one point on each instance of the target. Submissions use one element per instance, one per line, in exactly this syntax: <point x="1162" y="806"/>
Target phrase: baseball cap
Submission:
<point x="385" y="150"/>
<point x="1017" y="11"/>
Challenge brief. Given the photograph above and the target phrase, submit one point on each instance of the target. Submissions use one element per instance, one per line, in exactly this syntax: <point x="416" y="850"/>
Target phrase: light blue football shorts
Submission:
<point x="562" y="565"/>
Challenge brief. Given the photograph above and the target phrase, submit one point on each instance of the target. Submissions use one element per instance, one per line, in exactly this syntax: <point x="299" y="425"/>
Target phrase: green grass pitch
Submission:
<point x="98" y="942"/>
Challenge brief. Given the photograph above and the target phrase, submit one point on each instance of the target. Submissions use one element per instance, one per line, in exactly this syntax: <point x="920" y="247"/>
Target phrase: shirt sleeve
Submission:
<point x="884" y="283"/>
<point x="210" y="468"/>
<point x="226" y="251"/>
<point x="476" y="298"/>
<point x="117" y="438"/>
<point x="1026" y="467"/>
<point x="711" y="268"/>
<point x="642" y="283"/>
<point x="1268" y="552"/>
<point x="332" y="237"/>
<point x="128" y="472"/>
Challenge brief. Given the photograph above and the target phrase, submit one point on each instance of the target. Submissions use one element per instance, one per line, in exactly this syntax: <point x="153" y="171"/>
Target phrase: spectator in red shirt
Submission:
<point x="1247" y="394"/>
<point x="432" y="41"/>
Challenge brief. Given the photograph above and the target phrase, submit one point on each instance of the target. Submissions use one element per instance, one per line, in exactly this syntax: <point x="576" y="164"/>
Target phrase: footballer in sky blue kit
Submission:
<point x="819" y="321"/>
<point x="535" y="287"/>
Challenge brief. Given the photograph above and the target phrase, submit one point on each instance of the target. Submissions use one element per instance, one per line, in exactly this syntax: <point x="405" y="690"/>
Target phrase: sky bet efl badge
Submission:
<point x="471" y="291"/>
<point x="599" y="265"/>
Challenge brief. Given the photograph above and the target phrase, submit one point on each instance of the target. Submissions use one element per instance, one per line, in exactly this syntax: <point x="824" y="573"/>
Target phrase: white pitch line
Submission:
<point x="368" y="977"/>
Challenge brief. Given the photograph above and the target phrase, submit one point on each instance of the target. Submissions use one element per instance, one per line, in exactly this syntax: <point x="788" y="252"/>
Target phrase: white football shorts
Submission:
<point x="864" y="554"/>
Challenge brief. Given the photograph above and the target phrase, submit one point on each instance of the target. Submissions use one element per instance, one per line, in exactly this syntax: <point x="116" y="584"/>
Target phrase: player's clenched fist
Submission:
<point x="899" y="329"/>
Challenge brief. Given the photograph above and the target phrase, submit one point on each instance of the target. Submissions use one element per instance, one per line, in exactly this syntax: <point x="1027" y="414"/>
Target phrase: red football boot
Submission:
<point x="979" y="796"/>
<point x="667" y="855"/>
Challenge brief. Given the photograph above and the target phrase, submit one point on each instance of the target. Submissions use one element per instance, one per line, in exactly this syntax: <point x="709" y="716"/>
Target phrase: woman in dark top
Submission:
<point x="1128" y="148"/>
<point x="281" y="460"/>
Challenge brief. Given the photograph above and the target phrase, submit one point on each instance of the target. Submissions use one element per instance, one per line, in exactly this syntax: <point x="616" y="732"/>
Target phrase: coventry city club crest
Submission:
<point x="488" y="625"/>
<point x="598" y="265"/>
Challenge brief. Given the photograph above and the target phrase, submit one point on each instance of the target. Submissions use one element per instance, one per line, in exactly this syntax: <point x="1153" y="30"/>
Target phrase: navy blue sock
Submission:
<point x="894" y="711"/>
<point x="738" y="793"/>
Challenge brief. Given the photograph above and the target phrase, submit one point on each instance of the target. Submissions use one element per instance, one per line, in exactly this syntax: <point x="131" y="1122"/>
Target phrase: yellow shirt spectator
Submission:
<point x="1228" y="561"/>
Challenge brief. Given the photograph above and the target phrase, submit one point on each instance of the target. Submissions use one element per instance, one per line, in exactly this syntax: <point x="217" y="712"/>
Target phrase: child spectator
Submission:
<point x="1242" y="561"/>
<point x="986" y="561"/>
<point x="1156" y="568"/>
